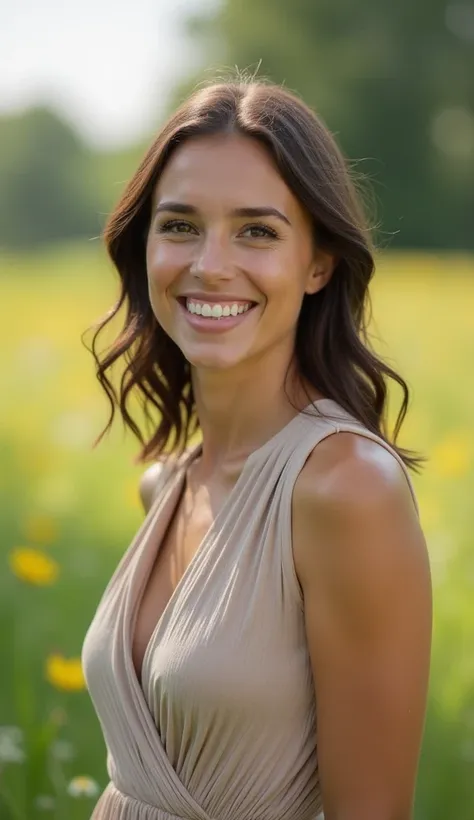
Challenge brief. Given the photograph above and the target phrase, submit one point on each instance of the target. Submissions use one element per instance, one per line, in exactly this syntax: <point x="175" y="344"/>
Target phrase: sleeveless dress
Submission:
<point x="223" y="725"/>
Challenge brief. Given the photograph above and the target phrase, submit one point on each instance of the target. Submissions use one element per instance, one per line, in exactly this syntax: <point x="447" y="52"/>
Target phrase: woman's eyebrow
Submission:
<point x="176" y="207"/>
<point x="263" y="211"/>
<point x="183" y="208"/>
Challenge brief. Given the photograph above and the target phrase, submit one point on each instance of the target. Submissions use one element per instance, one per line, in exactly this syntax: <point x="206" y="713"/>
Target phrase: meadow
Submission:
<point x="68" y="511"/>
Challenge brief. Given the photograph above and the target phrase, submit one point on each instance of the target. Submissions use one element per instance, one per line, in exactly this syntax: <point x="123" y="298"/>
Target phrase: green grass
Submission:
<point x="51" y="409"/>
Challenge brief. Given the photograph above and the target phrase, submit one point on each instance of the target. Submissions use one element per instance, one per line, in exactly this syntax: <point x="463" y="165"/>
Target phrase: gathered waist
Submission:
<point x="115" y="805"/>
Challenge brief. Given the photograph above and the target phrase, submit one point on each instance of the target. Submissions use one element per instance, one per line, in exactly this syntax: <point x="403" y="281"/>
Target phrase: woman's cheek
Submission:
<point x="159" y="260"/>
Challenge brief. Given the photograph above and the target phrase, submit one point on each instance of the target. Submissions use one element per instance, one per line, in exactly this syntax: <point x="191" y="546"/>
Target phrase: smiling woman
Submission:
<point x="262" y="651"/>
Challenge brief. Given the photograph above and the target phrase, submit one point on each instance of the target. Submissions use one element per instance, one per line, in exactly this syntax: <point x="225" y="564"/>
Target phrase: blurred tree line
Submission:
<point x="52" y="185"/>
<point x="393" y="81"/>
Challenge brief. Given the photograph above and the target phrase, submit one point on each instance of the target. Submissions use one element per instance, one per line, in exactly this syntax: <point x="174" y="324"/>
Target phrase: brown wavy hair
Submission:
<point x="332" y="348"/>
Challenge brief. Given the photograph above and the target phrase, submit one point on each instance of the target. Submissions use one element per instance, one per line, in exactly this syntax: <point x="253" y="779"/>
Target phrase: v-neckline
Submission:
<point x="150" y="555"/>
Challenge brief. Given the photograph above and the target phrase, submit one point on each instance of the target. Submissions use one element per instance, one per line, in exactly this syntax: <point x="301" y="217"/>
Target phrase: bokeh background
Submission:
<point x="83" y="89"/>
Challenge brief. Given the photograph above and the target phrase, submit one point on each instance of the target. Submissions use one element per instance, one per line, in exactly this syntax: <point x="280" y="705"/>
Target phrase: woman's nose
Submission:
<point x="212" y="261"/>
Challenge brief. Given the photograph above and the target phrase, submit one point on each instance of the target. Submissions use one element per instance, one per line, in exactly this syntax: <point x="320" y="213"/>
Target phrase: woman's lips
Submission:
<point x="213" y="325"/>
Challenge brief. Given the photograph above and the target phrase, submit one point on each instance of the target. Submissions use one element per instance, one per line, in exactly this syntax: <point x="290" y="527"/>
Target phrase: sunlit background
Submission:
<point x="83" y="88"/>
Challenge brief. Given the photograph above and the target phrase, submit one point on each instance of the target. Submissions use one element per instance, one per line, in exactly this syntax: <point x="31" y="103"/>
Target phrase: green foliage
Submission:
<point x="52" y="186"/>
<point x="46" y="191"/>
<point x="393" y="81"/>
<point x="112" y="170"/>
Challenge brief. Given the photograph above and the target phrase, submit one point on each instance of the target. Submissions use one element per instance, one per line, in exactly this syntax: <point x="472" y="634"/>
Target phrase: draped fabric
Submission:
<point x="223" y="723"/>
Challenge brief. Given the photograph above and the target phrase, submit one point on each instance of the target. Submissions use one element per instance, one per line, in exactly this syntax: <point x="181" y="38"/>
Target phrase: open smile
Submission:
<point x="215" y="316"/>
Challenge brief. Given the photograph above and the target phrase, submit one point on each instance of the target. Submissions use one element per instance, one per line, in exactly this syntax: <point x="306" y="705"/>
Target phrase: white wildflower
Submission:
<point x="62" y="750"/>
<point x="82" y="786"/>
<point x="45" y="802"/>
<point x="14" y="733"/>
<point x="11" y="738"/>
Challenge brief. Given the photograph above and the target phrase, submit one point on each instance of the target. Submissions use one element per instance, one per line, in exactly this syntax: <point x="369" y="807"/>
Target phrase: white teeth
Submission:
<point x="215" y="310"/>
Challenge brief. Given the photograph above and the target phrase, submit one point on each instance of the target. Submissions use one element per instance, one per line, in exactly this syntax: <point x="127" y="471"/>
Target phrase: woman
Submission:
<point x="262" y="651"/>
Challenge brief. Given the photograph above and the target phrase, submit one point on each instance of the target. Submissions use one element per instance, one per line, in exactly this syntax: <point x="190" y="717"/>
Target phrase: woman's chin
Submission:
<point x="213" y="359"/>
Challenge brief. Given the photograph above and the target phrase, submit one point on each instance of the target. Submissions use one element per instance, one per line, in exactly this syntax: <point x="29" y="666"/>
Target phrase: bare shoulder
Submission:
<point x="348" y="468"/>
<point x="351" y="485"/>
<point x="149" y="483"/>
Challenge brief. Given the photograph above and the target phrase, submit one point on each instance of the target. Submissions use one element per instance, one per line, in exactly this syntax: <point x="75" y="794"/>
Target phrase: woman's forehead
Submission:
<point x="231" y="169"/>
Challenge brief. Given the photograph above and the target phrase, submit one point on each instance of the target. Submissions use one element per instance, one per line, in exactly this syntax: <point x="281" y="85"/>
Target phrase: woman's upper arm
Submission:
<point x="362" y="562"/>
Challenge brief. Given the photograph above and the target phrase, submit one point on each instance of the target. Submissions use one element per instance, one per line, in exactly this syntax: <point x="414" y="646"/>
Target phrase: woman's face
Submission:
<point x="230" y="253"/>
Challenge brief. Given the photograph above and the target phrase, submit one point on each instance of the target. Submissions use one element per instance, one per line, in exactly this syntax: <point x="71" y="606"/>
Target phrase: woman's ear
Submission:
<point x="320" y="271"/>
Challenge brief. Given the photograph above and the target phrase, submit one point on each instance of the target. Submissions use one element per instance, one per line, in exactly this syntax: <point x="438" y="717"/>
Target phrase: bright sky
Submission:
<point x="107" y="64"/>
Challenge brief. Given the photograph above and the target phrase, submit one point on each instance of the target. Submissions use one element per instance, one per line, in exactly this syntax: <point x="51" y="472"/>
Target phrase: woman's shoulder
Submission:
<point x="350" y="468"/>
<point x="350" y="461"/>
<point x="153" y="477"/>
<point x="148" y="482"/>
<point x="351" y="484"/>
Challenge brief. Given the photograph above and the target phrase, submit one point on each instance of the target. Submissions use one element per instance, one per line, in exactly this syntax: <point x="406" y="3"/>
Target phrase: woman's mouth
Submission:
<point x="215" y="316"/>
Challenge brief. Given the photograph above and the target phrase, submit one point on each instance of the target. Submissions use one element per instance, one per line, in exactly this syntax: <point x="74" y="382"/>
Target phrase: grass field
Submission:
<point x="67" y="512"/>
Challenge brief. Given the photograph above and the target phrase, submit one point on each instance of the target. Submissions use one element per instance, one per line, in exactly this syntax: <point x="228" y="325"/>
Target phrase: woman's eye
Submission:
<point x="176" y="226"/>
<point x="260" y="231"/>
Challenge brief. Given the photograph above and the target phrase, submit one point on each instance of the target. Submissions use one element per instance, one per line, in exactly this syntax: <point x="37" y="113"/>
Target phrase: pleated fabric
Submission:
<point x="223" y="723"/>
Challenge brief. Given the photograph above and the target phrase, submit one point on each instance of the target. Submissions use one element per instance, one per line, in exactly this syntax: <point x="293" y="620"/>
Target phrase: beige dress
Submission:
<point x="223" y="726"/>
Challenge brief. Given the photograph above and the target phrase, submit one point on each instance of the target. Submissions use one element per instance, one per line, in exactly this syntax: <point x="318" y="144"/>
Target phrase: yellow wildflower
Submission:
<point x="41" y="529"/>
<point x="33" y="566"/>
<point x="65" y="673"/>
<point x="452" y="457"/>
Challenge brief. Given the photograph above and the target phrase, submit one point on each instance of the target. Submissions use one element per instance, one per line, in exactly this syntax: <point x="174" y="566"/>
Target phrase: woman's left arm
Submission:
<point x="363" y="566"/>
